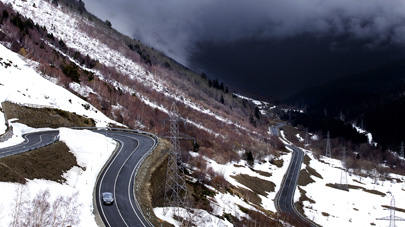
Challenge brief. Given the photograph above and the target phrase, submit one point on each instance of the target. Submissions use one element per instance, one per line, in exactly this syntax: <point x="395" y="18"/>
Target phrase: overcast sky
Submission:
<point x="273" y="47"/>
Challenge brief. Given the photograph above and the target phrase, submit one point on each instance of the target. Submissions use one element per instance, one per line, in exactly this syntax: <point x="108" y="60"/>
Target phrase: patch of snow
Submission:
<point x="368" y="134"/>
<point x="283" y="138"/>
<point x="315" y="137"/>
<point x="23" y="85"/>
<point x="82" y="90"/>
<point x="353" y="208"/>
<point x="90" y="153"/>
<point x="299" y="137"/>
<point x="232" y="169"/>
<point x="199" y="217"/>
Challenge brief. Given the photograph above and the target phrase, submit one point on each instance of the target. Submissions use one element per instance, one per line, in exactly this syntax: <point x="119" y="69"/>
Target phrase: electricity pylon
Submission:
<point x="392" y="218"/>
<point x="176" y="194"/>
<point x="401" y="153"/>
<point x="306" y="138"/>
<point x="341" y="116"/>
<point x="343" y="176"/>
<point x="328" y="149"/>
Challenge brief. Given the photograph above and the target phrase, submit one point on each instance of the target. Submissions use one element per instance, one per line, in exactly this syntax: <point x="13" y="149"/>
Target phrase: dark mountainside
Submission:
<point x="373" y="98"/>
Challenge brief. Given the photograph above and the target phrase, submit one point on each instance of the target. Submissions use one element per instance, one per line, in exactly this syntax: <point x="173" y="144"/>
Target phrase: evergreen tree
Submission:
<point x="222" y="99"/>
<point x="221" y="86"/>
<point x="108" y="23"/>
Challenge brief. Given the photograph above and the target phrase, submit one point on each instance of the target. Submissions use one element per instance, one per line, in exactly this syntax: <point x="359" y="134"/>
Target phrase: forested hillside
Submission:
<point x="373" y="99"/>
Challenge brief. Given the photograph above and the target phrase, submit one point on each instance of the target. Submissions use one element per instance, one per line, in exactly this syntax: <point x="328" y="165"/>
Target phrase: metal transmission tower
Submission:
<point x="341" y="116"/>
<point x="343" y="176"/>
<point x="401" y="153"/>
<point x="176" y="195"/>
<point x="328" y="149"/>
<point x="392" y="218"/>
<point x="306" y="137"/>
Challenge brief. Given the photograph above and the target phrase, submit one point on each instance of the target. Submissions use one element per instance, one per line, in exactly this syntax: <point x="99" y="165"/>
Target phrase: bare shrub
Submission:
<point x="64" y="211"/>
<point x="276" y="142"/>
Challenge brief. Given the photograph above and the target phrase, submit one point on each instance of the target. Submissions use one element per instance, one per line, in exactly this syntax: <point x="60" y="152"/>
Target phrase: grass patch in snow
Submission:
<point x="45" y="117"/>
<point x="305" y="178"/>
<point x="350" y="186"/>
<point x="263" y="173"/>
<point x="359" y="182"/>
<point x="307" y="159"/>
<point x="238" y="166"/>
<point x="200" y="193"/>
<point x="246" y="194"/>
<point x="47" y="163"/>
<point x="325" y="214"/>
<point x="372" y="191"/>
<point x="277" y="162"/>
<point x="257" y="185"/>
<point x="300" y="204"/>
<point x="313" y="172"/>
<point x="395" y="208"/>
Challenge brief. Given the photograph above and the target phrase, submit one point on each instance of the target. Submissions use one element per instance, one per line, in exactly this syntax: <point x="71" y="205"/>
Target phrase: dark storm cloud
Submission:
<point x="272" y="47"/>
<point x="175" y="26"/>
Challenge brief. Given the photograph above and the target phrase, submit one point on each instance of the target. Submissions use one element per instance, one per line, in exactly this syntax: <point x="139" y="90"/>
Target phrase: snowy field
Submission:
<point x="90" y="153"/>
<point x="19" y="83"/>
<point x="356" y="207"/>
<point x="226" y="203"/>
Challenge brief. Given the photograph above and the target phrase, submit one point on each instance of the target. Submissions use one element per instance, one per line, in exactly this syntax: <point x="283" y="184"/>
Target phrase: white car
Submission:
<point x="108" y="198"/>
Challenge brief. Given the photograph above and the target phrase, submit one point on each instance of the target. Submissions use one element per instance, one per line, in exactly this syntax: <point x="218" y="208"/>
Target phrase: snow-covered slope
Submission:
<point x="356" y="207"/>
<point x="69" y="27"/>
<point x="90" y="153"/>
<point x="20" y="83"/>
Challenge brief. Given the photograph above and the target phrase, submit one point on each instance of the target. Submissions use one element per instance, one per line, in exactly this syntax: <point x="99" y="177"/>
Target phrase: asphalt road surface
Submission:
<point x="32" y="141"/>
<point x="118" y="177"/>
<point x="284" y="200"/>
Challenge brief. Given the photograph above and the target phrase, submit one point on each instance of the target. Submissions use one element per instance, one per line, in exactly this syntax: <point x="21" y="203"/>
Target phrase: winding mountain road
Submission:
<point x="31" y="141"/>
<point x="284" y="200"/>
<point x="118" y="177"/>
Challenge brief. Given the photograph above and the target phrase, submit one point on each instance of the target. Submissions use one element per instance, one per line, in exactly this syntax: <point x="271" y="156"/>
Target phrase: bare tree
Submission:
<point x="20" y="201"/>
<point x="69" y="211"/>
<point x="39" y="212"/>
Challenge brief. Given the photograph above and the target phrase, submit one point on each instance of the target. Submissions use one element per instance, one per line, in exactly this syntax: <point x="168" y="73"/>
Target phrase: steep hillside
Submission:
<point x="365" y="98"/>
<point x="125" y="80"/>
<point x="108" y="75"/>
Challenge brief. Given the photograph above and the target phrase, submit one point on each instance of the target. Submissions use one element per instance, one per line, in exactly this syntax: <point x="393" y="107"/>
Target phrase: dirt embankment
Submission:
<point x="150" y="182"/>
<point x="45" y="117"/>
<point x="48" y="163"/>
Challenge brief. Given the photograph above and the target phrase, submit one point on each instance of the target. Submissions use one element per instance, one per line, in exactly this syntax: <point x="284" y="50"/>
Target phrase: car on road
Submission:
<point x="108" y="198"/>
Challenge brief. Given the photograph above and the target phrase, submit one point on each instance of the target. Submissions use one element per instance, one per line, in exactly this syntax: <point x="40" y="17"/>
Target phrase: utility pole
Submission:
<point x="176" y="194"/>
<point x="328" y="149"/>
